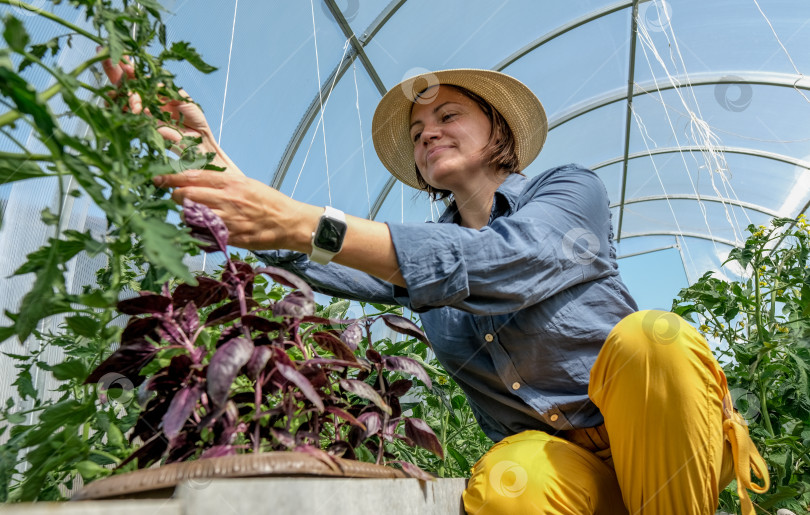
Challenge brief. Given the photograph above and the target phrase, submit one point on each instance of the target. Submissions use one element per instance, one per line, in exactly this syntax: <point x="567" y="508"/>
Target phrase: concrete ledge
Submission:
<point x="132" y="507"/>
<point x="316" y="496"/>
<point x="279" y="496"/>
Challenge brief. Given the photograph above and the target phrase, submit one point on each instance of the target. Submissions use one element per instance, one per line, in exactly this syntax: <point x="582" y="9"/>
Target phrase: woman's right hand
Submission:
<point x="189" y="120"/>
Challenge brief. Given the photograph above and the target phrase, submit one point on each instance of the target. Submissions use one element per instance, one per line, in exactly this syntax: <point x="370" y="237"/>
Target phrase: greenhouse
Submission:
<point x="460" y="301"/>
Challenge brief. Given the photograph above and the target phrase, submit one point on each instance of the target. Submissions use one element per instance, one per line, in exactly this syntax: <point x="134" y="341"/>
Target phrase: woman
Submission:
<point x="595" y="408"/>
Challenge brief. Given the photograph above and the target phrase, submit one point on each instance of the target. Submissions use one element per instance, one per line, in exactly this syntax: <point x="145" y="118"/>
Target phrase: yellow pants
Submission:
<point x="671" y="439"/>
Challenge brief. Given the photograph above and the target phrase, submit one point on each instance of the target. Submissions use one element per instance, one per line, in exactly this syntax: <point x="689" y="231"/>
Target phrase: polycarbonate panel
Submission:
<point x="571" y="68"/>
<point x="404" y="204"/>
<point x="654" y="279"/>
<point x="723" y="35"/>
<point x="686" y="173"/>
<point x="476" y="34"/>
<point x="709" y="219"/>
<point x="769" y="118"/>
<point x="273" y="75"/>
<point x="612" y="177"/>
<point x="588" y="140"/>
<point x="356" y="176"/>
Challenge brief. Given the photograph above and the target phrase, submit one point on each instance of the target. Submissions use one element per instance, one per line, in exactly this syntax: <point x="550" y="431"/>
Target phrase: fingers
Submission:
<point x="193" y="178"/>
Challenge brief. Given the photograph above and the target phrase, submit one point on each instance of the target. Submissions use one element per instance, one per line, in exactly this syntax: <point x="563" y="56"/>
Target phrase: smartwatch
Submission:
<point x="327" y="239"/>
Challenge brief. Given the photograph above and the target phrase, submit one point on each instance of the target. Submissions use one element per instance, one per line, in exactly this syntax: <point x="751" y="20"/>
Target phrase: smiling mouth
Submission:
<point x="435" y="150"/>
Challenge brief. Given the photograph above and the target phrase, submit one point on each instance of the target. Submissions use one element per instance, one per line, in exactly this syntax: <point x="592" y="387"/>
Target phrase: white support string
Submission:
<point x="320" y="98"/>
<point x="402" y="202"/>
<point x="320" y="120"/>
<point x="227" y="73"/>
<point x="362" y="142"/>
<point x="699" y="131"/>
<point x="795" y="68"/>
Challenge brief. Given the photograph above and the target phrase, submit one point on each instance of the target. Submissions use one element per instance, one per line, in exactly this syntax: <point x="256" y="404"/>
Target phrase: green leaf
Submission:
<point x="6" y="333"/>
<point x="83" y="325"/>
<point x="15" y="34"/>
<point x="25" y="385"/>
<point x="182" y="51"/>
<point x="162" y="246"/>
<point x="71" y="369"/>
<point x="25" y="98"/>
<point x="115" y="438"/>
<point x="19" y="169"/>
<point x="460" y="459"/>
<point x="15" y="418"/>
<point x="91" y="470"/>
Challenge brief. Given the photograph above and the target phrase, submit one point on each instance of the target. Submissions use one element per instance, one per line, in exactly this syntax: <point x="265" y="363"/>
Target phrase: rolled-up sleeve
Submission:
<point x="558" y="236"/>
<point x="331" y="279"/>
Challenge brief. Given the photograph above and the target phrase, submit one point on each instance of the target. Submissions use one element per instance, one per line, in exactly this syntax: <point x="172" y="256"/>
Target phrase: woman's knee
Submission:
<point x="534" y="472"/>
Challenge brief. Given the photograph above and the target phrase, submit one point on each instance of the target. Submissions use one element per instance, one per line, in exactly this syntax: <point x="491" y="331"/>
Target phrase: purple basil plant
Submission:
<point x="278" y="378"/>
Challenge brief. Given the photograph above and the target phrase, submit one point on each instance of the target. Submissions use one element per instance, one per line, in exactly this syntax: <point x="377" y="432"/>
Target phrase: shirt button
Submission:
<point x="515" y="385"/>
<point x="489" y="337"/>
<point x="554" y="417"/>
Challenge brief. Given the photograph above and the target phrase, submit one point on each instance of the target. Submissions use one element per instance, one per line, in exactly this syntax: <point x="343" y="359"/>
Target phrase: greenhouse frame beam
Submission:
<point x="700" y="148"/>
<point x="631" y="82"/>
<point x="719" y="200"/>
<point x="785" y="80"/>
<point x="326" y="88"/>
<point x="682" y="235"/>
<point x="650" y="251"/>
<point x="559" y="31"/>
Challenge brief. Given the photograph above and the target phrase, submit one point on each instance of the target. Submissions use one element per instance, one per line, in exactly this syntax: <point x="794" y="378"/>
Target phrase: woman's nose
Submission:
<point x="430" y="132"/>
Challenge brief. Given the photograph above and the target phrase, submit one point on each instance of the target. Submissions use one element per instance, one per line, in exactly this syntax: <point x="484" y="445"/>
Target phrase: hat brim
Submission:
<point x="517" y="104"/>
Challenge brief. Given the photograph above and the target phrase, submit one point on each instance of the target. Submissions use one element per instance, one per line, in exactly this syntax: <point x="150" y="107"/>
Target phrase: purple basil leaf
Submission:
<point x="189" y="319"/>
<point x="228" y="312"/>
<point x="422" y="435"/>
<point x="295" y="305"/>
<point x="258" y="360"/>
<point x="208" y="291"/>
<point x="341" y="449"/>
<point x="284" y="438"/>
<point x="408" y="366"/>
<point x="334" y="345"/>
<point x="205" y="225"/>
<point x="413" y="471"/>
<point x="374" y="356"/>
<point x="224" y="366"/>
<point x="404" y="326"/>
<point x="180" y="409"/>
<point x="147" y="302"/>
<point x="148" y="453"/>
<point x="218" y="451"/>
<point x="352" y="336"/>
<point x="399" y="387"/>
<point x="286" y="278"/>
<point x="372" y="422"/>
<point x="261" y="324"/>
<point x="170" y="331"/>
<point x="303" y="384"/>
<point x="125" y="362"/>
<point x="345" y="416"/>
<point x="338" y="363"/>
<point x="139" y="328"/>
<point x="365" y="391"/>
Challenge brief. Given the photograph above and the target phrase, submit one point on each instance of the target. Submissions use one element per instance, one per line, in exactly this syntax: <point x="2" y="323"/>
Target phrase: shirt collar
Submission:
<point x="504" y="202"/>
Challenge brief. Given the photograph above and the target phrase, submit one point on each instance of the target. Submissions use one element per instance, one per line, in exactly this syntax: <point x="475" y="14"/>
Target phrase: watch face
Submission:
<point x="329" y="235"/>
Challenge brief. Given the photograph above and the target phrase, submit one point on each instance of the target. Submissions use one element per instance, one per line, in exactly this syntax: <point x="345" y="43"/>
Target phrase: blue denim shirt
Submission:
<point x="516" y="311"/>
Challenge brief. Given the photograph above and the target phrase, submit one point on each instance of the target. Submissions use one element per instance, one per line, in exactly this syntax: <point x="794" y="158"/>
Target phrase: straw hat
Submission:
<point x="520" y="108"/>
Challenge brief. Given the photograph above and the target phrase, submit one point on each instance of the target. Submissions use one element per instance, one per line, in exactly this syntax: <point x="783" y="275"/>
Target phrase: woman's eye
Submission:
<point x="447" y="116"/>
<point x="416" y="137"/>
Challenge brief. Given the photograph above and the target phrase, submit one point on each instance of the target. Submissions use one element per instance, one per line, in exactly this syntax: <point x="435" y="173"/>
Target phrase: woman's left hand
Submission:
<point x="258" y="217"/>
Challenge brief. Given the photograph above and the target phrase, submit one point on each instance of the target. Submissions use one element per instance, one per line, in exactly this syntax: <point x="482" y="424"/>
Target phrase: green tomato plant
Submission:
<point x="761" y="324"/>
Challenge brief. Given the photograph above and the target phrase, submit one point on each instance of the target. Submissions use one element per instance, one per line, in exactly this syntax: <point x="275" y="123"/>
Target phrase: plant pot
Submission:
<point x="160" y="482"/>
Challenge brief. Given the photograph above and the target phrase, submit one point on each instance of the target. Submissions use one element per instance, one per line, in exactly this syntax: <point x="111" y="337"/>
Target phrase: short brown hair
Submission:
<point x="499" y="152"/>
